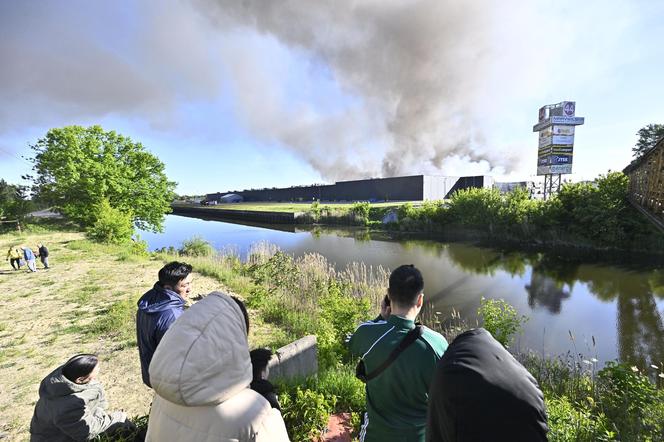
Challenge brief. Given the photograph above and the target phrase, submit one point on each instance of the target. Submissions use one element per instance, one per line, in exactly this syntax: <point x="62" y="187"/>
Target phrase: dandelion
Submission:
<point x="635" y="369"/>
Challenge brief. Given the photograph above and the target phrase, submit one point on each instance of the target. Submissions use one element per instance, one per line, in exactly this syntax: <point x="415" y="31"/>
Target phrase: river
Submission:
<point x="612" y="309"/>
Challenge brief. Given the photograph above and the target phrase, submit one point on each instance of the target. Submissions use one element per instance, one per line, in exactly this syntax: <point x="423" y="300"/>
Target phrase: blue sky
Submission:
<point x="274" y="94"/>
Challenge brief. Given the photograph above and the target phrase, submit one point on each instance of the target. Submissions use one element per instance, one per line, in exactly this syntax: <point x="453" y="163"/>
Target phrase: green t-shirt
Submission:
<point x="397" y="398"/>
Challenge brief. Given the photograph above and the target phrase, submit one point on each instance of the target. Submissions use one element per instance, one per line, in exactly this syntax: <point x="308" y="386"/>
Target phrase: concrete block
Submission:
<point x="295" y="360"/>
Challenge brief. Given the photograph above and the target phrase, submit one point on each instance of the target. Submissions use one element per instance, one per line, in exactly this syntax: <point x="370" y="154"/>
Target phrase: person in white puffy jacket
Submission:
<point x="201" y="373"/>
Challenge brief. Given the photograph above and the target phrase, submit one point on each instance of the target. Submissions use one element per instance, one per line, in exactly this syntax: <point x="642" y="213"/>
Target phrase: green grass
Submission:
<point x="116" y="321"/>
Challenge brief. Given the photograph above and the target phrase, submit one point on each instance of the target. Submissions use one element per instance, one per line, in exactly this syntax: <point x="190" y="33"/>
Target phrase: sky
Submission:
<point x="236" y="95"/>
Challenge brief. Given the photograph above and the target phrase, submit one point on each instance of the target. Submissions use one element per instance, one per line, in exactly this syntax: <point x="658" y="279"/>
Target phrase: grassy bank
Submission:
<point x="84" y="303"/>
<point x="306" y="295"/>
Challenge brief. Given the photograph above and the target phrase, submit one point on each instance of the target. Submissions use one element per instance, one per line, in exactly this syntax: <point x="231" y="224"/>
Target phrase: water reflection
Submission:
<point x="618" y="301"/>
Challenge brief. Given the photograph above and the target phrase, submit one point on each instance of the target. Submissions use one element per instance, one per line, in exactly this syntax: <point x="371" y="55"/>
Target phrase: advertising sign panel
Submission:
<point x="561" y="130"/>
<point x="568" y="108"/>
<point x="562" y="168"/>
<point x="575" y="121"/>
<point x="560" y="159"/>
<point x="555" y="150"/>
<point x="566" y="140"/>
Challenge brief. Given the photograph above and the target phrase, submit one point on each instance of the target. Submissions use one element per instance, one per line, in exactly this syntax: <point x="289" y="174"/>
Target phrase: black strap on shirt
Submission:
<point x="360" y="370"/>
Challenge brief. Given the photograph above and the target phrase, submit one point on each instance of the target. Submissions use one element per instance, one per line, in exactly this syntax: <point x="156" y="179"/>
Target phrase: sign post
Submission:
<point x="556" y="143"/>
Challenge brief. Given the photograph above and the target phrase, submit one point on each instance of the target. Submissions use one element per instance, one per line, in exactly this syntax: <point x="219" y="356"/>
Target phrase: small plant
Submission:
<point x="196" y="246"/>
<point x="500" y="319"/>
<point x="306" y="413"/>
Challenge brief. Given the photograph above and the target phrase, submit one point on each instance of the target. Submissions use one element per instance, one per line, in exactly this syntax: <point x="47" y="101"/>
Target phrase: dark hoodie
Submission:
<point x="157" y="310"/>
<point x="67" y="411"/>
<point x="481" y="393"/>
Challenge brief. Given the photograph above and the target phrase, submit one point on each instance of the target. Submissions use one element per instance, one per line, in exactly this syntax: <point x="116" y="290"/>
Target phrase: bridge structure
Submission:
<point x="646" y="183"/>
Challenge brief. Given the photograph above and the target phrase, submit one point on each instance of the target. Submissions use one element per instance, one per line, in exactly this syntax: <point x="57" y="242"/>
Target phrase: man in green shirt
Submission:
<point x="397" y="397"/>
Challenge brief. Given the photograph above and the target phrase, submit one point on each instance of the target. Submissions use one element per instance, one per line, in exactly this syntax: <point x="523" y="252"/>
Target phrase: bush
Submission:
<point x="306" y="413"/>
<point x="361" y="210"/>
<point x="569" y="424"/>
<point x="500" y="319"/>
<point x="196" y="246"/>
<point x="112" y="225"/>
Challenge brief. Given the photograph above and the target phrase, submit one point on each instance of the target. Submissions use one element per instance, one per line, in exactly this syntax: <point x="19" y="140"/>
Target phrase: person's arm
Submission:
<point x="81" y="426"/>
<point x="164" y="323"/>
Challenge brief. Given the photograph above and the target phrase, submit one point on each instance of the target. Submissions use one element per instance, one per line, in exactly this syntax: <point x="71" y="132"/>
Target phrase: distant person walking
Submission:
<point x="42" y="252"/>
<point x="72" y="404"/>
<point x="29" y="256"/>
<point x="159" y="308"/>
<point x="14" y="256"/>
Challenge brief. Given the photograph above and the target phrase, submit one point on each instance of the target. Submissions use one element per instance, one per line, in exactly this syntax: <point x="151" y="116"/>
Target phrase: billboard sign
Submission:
<point x="568" y="108"/>
<point x="555" y="150"/>
<point x="561" y="168"/>
<point x="574" y="121"/>
<point x="556" y="130"/>
<point x="566" y="140"/>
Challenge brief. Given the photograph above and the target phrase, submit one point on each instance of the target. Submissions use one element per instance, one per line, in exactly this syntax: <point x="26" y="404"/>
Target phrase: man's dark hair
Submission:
<point x="244" y="311"/>
<point x="173" y="272"/>
<point x="260" y="357"/>
<point x="406" y="283"/>
<point x="79" y="366"/>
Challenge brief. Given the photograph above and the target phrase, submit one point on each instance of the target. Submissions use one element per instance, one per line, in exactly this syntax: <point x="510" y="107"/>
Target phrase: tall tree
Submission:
<point x="13" y="200"/>
<point x="648" y="137"/>
<point x="77" y="168"/>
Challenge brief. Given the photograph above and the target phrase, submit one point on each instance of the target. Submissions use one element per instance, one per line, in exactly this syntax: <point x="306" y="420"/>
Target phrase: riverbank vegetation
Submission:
<point x="86" y="302"/>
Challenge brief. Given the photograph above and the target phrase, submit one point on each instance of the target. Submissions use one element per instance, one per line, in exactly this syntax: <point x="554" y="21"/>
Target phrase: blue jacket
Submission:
<point x="157" y="310"/>
<point x="28" y="254"/>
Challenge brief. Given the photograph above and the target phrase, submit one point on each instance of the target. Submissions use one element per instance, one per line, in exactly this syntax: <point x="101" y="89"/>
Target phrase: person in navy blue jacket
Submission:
<point x="159" y="308"/>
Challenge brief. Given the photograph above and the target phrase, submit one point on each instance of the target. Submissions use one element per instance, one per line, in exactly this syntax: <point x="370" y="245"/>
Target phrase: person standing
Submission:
<point x="42" y="252"/>
<point x="397" y="388"/>
<point x="158" y="308"/>
<point x="14" y="256"/>
<point x="29" y="256"/>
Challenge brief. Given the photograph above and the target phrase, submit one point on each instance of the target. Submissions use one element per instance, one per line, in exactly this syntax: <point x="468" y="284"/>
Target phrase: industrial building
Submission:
<point x="405" y="188"/>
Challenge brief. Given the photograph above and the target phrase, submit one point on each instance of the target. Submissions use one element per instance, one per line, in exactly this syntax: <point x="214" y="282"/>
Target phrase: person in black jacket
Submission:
<point x="158" y="308"/>
<point x="42" y="252"/>
<point x="481" y="393"/>
<point x="260" y="358"/>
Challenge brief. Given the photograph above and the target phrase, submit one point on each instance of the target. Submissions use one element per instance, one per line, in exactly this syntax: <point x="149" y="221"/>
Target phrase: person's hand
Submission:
<point x="385" y="310"/>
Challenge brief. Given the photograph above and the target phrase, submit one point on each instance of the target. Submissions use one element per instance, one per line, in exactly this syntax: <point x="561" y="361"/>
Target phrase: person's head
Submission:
<point x="260" y="357"/>
<point x="244" y="312"/>
<point x="406" y="287"/>
<point x="81" y="369"/>
<point x="176" y="276"/>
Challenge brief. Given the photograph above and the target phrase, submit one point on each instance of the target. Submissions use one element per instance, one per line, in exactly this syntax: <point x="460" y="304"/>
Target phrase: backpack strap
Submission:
<point x="405" y="343"/>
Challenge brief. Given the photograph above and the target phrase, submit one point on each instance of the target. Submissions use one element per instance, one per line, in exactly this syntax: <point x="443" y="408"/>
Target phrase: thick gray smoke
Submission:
<point x="420" y="67"/>
<point x="412" y="86"/>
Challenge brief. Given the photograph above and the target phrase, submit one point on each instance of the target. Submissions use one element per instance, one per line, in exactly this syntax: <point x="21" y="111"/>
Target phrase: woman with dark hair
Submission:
<point x="72" y="404"/>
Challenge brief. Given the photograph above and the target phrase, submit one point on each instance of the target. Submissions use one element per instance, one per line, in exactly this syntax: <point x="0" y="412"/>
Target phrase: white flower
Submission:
<point x="594" y="360"/>
<point x="661" y="375"/>
<point x="586" y="361"/>
<point x="635" y="369"/>
<point x="654" y="366"/>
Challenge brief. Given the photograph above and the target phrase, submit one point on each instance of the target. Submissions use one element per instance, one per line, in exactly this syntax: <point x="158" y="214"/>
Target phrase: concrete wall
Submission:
<point x="295" y="360"/>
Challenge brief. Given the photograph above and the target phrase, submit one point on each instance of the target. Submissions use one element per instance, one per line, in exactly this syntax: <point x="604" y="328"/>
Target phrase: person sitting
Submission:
<point x="481" y="392"/>
<point x="260" y="357"/>
<point x="200" y="374"/>
<point x="72" y="404"/>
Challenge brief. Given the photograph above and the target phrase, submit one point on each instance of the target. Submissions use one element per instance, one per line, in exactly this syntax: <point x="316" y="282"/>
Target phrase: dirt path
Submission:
<point x="48" y="316"/>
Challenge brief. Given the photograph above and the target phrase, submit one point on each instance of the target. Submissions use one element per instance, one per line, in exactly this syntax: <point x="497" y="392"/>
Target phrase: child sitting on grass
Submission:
<point x="260" y="357"/>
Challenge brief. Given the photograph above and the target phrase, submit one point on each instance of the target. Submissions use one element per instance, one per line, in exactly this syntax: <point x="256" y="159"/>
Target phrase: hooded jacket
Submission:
<point x="481" y="393"/>
<point x="157" y="310"/>
<point x="67" y="411"/>
<point x="201" y="373"/>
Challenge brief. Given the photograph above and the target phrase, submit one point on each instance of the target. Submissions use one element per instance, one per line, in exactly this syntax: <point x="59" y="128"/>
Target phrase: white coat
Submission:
<point x="201" y="373"/>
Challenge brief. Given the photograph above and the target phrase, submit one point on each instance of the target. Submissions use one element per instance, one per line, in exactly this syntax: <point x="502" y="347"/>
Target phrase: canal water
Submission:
<point x="613" y="310"/>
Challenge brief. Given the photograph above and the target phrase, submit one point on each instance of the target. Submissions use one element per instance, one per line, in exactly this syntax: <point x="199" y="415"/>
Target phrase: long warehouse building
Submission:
<point x="405" y="188"/>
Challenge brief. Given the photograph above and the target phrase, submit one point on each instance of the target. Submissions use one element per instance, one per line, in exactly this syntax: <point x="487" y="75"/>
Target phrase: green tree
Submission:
<point x="648" y="137"/>
<point x="13" y="200"/>
<point x="77" y="169"/>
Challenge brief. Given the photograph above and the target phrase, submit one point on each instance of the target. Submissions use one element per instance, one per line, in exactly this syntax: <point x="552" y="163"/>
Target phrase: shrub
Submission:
<point x="361" y="210"/>
<point x="569" y="424"/>
<point x="306" y="413"/>
<point x="476" y="207"/>
<point x="196" y="246"/>
<point x="111" y="225"/>
<point x="500" y="319"/>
